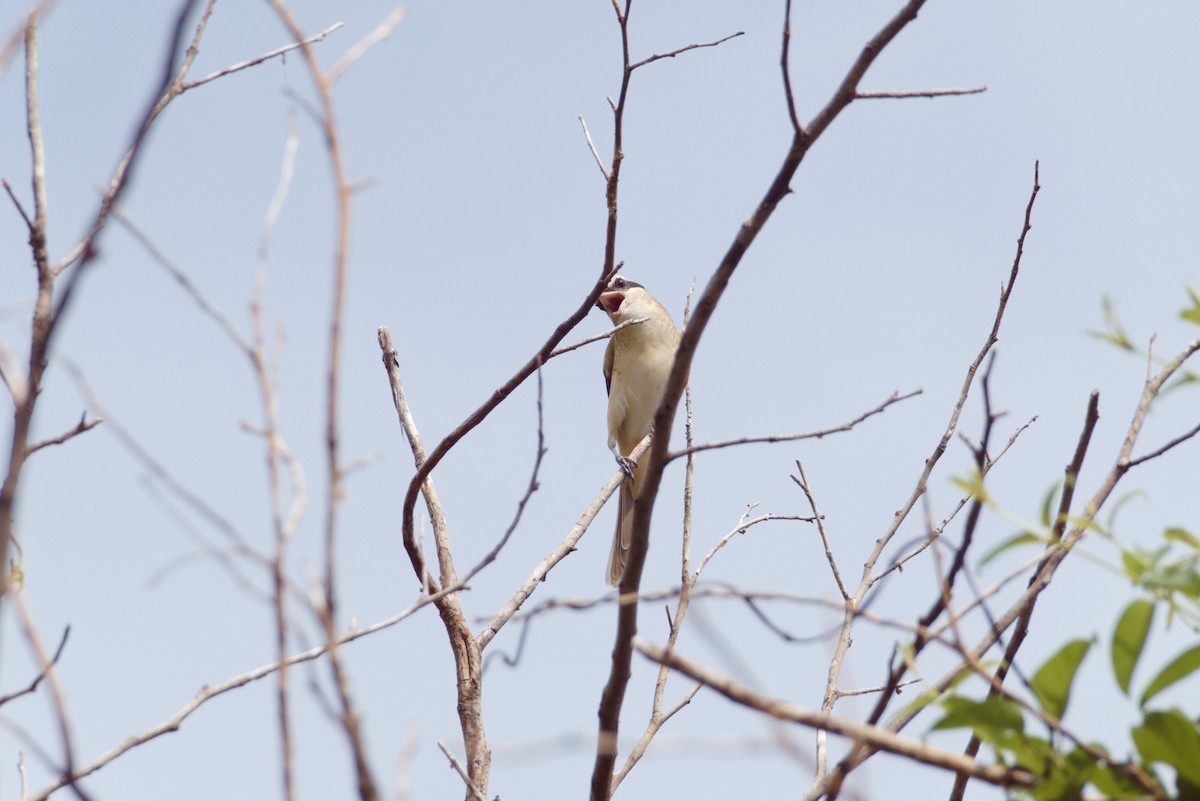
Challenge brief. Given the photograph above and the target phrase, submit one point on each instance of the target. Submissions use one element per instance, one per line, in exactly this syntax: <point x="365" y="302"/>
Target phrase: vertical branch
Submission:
<point x="25" y="393"/>
<point x="49" y="668"/>
<point x="831" y="784"/>
<point x="613" y="696"/>
<point x="656" y="458"/>
<point x="48" y="312"/>
<point x="334" y="474"/>
<point x="687" y="582"/>
<point x="282" y="525"/>
<point x="786" y="68"/>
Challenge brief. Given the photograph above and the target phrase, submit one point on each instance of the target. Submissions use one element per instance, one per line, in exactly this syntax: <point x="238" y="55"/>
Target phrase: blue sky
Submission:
<point x="479" y="226"/>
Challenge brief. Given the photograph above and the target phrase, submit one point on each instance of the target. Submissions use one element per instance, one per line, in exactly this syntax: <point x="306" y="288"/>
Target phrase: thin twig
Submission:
<point x="906" y="93"/>
<point x="211" y="691"/>
<point x="591" y="146"/>
<point x="1157" y="452"/>
<point x="876" y="689"/>
<point x="802" y="481"/>
<point x="58" y="698"/>
<point x="895" y="397"/>
<point x="17" y="202"/>
<point x="283" y="523"/>
<point x="673" y="53"/>
<point x="786" y="68"/>
<point x="471" y="788"/>
<point x="744" y="524"/>
<point x="596" y="338"/>
<point x="613" y="696"/>
<point x="83" y="425"/>
<point x="560" y="552"/>
<point x="49" y="313"/>
<point x="270" y="54"/>
<point x="381" y="32"/>
<point x="33" y="685"/>
<point x="327" y="608"/>
<point x="185" y="282"/>
<point x="529" y="490"/>
<point x="873" y="736"/>
<point x="1056" y="553"/>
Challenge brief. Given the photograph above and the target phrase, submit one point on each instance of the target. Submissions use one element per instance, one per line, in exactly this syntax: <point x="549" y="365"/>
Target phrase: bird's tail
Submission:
<point x="623" y="537"/>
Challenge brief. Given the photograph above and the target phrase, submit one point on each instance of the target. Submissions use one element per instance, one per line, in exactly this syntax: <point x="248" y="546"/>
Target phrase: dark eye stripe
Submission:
<point x="623" y="283"/>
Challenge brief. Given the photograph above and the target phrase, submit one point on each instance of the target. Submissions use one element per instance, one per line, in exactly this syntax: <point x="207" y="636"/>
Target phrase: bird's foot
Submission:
<point x="627" y="465"/>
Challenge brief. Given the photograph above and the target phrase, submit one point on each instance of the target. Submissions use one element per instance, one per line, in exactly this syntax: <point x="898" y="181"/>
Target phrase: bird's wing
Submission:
<point x="608" y="366"/>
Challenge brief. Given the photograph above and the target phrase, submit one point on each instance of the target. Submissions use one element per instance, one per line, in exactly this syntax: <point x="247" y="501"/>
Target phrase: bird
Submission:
<point x="637" y="363"/>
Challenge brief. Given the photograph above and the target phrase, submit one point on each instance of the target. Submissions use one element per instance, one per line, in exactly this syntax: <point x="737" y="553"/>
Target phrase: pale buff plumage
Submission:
<point x="637" y="363"/>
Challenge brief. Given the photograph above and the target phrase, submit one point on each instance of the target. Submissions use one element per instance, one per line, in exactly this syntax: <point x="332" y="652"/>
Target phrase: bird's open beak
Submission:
<point x="611" y="301"/>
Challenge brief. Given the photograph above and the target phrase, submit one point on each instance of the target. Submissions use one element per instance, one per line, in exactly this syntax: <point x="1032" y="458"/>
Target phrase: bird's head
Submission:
<point x="621" y="298"/>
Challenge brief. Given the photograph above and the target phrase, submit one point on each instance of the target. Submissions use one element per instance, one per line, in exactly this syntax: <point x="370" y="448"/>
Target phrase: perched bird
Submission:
<point x="637" y="363"/>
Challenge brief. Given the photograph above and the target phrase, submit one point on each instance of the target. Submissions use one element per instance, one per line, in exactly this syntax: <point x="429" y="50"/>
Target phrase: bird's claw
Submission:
<point x="627" y="465"/>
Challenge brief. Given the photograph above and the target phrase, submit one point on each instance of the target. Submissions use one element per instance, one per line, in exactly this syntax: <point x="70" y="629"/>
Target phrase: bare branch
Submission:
<point x="83" y="425"/>
<point x="471" y="788"/>
<point x="674" y="53"/>
<point x="802" y="482"/>
<point x="14" y="40"/>
<point x="872" y="736"/>
<point x="408" y="425"/>
<point x="785" y="67"/>
<point x="529" y="490"/>
<point x="876" y="689"/>
<point x="802" y="140"/>
<point x="832" y="782"/>
<point x="33" y="685"/>
<point x="327" y="608"/>
<point x="744" y="523"/>
<point x="190" y="289"/>
<point x="591" y="146"/>
<point x="1050" y="560"/>
<point x="58" y="697"/>
<point x="279" y="51"/>
<point x="383" y="31"/>
<point x="284" y="524"/>
<point x="596" y="338"/>
<point x="895" y="397"/>
<point x="560" y="552"/>
<point x="167" y="90"/>
<point x="17" y="202"/>
<point x="907" y="93"/>
<point x="1157" y="452"/>
<point x="211" y="691"/>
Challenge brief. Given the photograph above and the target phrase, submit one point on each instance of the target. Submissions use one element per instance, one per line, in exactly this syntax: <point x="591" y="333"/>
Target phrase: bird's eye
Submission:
<point x="619" y="283"/>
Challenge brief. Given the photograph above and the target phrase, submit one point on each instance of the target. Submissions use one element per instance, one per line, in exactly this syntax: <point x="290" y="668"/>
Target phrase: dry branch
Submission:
<point x="802" y="140"/>
<point x="875" y="737"/>
<point x="211" y="691"/>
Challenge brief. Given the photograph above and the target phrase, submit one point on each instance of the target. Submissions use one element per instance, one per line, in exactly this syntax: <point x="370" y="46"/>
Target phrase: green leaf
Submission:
<point x="932" y="693"/>
<point x="1180" y="667"/>
<point x="1052" y="682"/>
<point x="1119" y="505"/>
<point x="972" y="484"/>
<point x="1128" y="639"/>
<point x="1170" y="738"/>
<point x="1114" y="332"/>
<point x="1112" y="783"/>
<point x="1047" y="503"/>
<point x="1185" y="790"/>
<point x="1192" y="315"/>
<point x="1176" y="534"/>
<point x="1177" y="578"/>
<point x="993" y="712"/>
<point x="1066" y="779"/>
<point x="1015" y="541"/>
<point x="1182" y="379"/>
